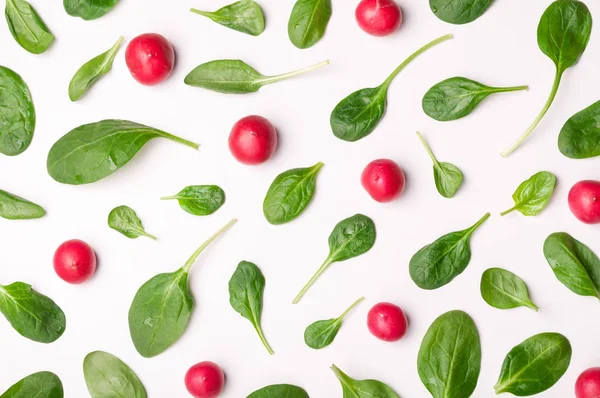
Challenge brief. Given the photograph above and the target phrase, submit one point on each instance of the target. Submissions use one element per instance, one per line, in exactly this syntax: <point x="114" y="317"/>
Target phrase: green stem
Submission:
<point x="189" y="263"/>
<point x="508" y="211"/>
<point x="200" y="12"/>
<point x="169" y="197"/>
<point x="539" y="118"/>
<point x="413" y="56"/>
<point x="530" y="304"/>
<point x="428" y="149"/>
<point x="341" y="317"/>
<point x="113" y="50"/>
<point x="478" y="223"/>
<point x="312" y="280"/>
<point x="147" y="235"/>
<point x="179" y="140"/>
<point x="509" y="89"/>
<point x="264" y="340"/>
<point x="276" y="78"/>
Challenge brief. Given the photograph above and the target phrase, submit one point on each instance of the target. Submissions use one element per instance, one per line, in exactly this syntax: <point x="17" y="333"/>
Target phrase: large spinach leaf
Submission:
<point x="88" y="9"/>
<point x="17" y="123"/>
<point x="459" y="12"/>
<point x="279" y="391"/>
<point x="504" y="290"/>
<point x="533" y="195"/>
<point x="353" y="388"/>
<point x="199" y="200"/>
<point x="36" y="385"/>
<point x="27" y="27"/>
<point x="245" y="16"/>
<point x="106" y="376"/>
<point x="125" y="220"/>
<point x="308" y="22"/>
<point x="580" y="136"/>
<point x="320" y="334"/>
<point x="448" y="178"/>
<point x="13" y="207"/>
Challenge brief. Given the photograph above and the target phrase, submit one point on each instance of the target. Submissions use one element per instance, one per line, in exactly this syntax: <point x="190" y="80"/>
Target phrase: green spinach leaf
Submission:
<point x="438" y="263"/>
<point x="125" y="220"/>
<point x="107" y="376"/>
<point x="245" y="16"/>
<point x="199" y="200"/>
<point x="88" y="9"/>
<point x="457" y="97"/>
<point x="94" y="151"/>
<point x="459" y="12"/>
<point x="350" y="238"/>
<point x="246" y="288"/>
<point x="533" y="195"/>
<point x="535" y="365"/>
<point x="322" y="333"/>
<point x="353" y="388"/>
<point x="308" y="22"/>
<point x="230" y="76"/>
<point x="449" y="359"/>
<point x="290" y="193"/>
<point x="36" y="385"/>
<point x="448" y="178"/>
<point x="17" y="123"/>
<point x="580" y="136"/>
<point x="279" y="391"/>
<point x="504" y="290"/>
<point x="32" y="314"/>
<point x="563" y="35"/>
<point x="162" y="307"/>
<point x="357" y="115"/>
<point x="13" y="207"/>
<point x="27" y="27"/>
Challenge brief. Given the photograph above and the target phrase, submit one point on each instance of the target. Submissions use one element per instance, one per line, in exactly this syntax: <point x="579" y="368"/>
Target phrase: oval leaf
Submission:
<point x="504" y="290"/>
<point x="88" y="9"/>
<point x="308" y="22"/>
<point x="107" y="376"/>
<point x="17" y="123"/>
<point x="533" y="195"/>
<point x="27" y="27"/>
<point x="322" y="333"/>
<point x="125" y="220"/>
<point x="448" y="178"/>
<point x="363" y="388"/>
<point x="279" y="391"/>
<point x="245" y="16"/>
<point x="13" y="207"/>
<point x="37" y="385"/>
<point x="580" y="135"/>
<point x="459" y="12"/>
<point x="200" y="200"/>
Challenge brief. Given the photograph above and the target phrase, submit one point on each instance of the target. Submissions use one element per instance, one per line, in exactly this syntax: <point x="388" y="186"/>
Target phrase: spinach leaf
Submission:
<point x="93" y="151"/>
<point x="449" y="359"/>
<point x="27" y="27"/>
<point x="245" y="16"/>
<point x="533" y="195"/>
<point x="438" y="263"/>
<point x="353" y="388"/>
<point x="504" y="290"/>
<point x="459" y="12"/>
<point x="563" y="35"/>
<point x="448" y="178"/>
<point x="322" y="333"/>
<point x="162" y="307"/>
<point x="279" y="391"/>
<point x="455" y="98"/>
<point x="535" y="365"/>
<point x="200" y="200"/>
<point x="357" y="115"/>
<point x="231" y="76"/>
<point x="88" y="9"/>
<point x="13" y="207"/>
<point x="573" y="263"/>
<point x="17" y="123"/>
<point x="107" y="376"/>
<point x="92" y="71"/>
<point x="308" y="22"/>
<point x="32" y="314"/>
<point x="246" y="288"/>
<point x="580" y="136"/>
<point x="350" y="238"/>
<point x="125" y="220"/>
<point x="290" y="193"/>
<point x="36" y="385"/>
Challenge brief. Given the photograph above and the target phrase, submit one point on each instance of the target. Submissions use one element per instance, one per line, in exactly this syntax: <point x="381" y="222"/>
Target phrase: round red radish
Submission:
<point x="74" y="261"/>
<point x="387" y="322"/>
<point x="253" y="140"/>
<point x="378" y="17"/>
<point x="584" y="201"/>
<point x="150" y="58"/>
<point x="205" y="380"/>
<point x="383" y="179"/>
<point x="588" y="384"/>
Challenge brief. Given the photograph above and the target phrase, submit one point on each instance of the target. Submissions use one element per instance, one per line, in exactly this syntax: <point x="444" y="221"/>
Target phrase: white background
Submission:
<point x="498" y="49"/>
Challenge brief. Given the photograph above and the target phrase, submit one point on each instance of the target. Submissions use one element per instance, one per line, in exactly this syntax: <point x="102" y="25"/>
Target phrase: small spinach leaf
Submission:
<point x="459" y="12"/>
<point x="245" y="16"/>
<point x="448" y="178"/>
<point x="125" y="220"/>
<point x="357" y="115"/>
<point x="17" y="123"/>
<point x="350" y="238"/>
<point x="199" y="200"/>
<point x="246" y="288"/>
<point x="504" y="290"/>
<point x="279" y="391"/>
<point x="438" y="263"/>
<point x="535" y="365"/>
<point x="27" y="27"/>
<point x="13" y="207"/>
<point x="107" y="376"/>
<point x="449" y="359"/>
<point x="533" y="195"/>
<point x="88" y="9"/>
<point x="308" y="22"/>
<point x="322" y="333"/>
<point x="580" y="136"/>
<point x="36" y="385"/>
<point x="353" y="388"/>
<point x="162" y="307"/>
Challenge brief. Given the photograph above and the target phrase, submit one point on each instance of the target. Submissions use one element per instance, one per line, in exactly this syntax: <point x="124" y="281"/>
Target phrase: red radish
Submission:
<point x="584" y="201"/>
<point x="387" y="322"/>
<point x="205" y="380"/>
<point x="74" y="261"/>
<point x="588" y="384"/>
<point x="378" y="17"/>
<point x="253" y="140"/>
<point x="150" y="58"/>
<point x="383" y="179"/>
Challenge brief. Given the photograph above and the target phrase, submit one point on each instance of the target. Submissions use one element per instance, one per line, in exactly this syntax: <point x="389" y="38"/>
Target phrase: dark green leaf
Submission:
<point x="36" y="385"/>
<point x="13" y="207"/>
<point x="88" y="9"/>
<point x="353" y="388"/>
<point x="244" y="16"/>
<point x="580" y="136"/>
<point x="308" y="22"/>
<point x="504" y="290"/>
<point x="17" y="123"/>
<point x="27" y="27"/>
<point x="107" y="376"/>
<point x="32" y="314"/>
<point x="459" y="12"/>
<point x="96" y="150"/>
<point x="448" y="178"/>
<point x="125" y="220"/>
<point x="246" y="288"/>
<point x="449" y="359"/>
<point x="438" y="263"/>
<point x="200" y="200"/>
<point x="279" y="391"/>
<point x="535" y="365"/>
<point x="533" y="195"/>
<point x="322" y="333"/>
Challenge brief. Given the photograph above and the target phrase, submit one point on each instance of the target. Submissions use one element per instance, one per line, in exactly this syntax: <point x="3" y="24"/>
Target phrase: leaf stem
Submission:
<point x="264" y="340"/>
<point x="116" y="46"/>
<point x="276" y="78"/>
<point x="179" y="140"/>
<point x="341" y="317"/>
<point x="169" y="197"/>
<point x="200" y="12"/>
<point x="428" y="149"/>
<point x="312" y="280"/>
<point x="478" y="223"/>
<point x="147" y="235"/>
<point x="530" y="304"/>
<point x="508" y="211"/>
<point x="189" y="263"/>
<point x="509" y="89"/>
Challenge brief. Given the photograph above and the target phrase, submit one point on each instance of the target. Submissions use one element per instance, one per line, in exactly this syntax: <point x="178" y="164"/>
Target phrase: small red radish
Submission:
<point x="253" y="140"/>
<point x="387" y="322"/>
<point x="74" y="261"/>
<point x="383" y="179"/>
<point x="150" y="58"/>
<point x="205" y="380"/>
<point x="378" y="17"/>
<point x="584" y="201"/>
<point x="588" y="384"/>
